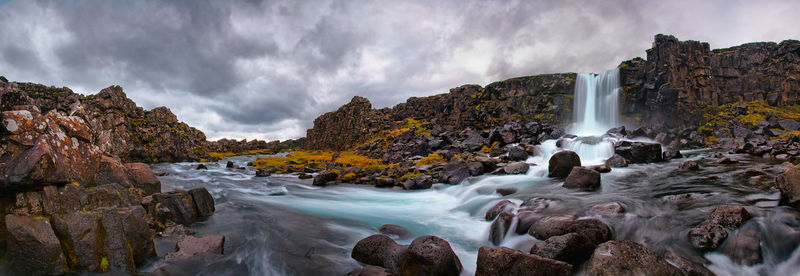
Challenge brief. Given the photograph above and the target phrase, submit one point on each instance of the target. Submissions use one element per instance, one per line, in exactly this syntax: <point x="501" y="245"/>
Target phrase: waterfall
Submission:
<point x="596" y="103"/>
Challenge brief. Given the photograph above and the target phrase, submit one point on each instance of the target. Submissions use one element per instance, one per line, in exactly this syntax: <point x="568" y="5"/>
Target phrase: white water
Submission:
<point x="596" y="103"/>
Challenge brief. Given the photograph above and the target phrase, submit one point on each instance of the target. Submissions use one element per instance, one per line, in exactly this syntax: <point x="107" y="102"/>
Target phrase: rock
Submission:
<point x="689" y="165"/>
<point x="789" y="186"/>
<point x="142" y="177"/>
<point x="263" y="172"/>
<point x="380" y="250"/>
<point x="517" y="153"/>
<point x="672" y="154"/>
<point x="300" y="176"/>
<point x="729" y="215"/>
<point x="688" y="267"/>
<point x="708" y="236"/>
<point x="617" y="161"/>
<point x="203" y="201"/>
<point x="500" y="226"/>
<point x="507" y="261"/>
<point x="230" y="165"/>
<point x="789" y="124"/>
<point x="454" y="172"/>
<point x="583" y="178"/>
<point x="33" y="248"/>
<point x="611" y="209"/>
<point x="725" y="161"/>
<point x="550" y="226"/>
<point x="503" y="205"/>
<point x="396" y="230"/>
<point x="525" y="219"/>
<point x="135" y="225"/>
<point x="80" y="233"/>
<point x="418" y="183"/>
<point x="193" y="248"/>
<point x="592" y="229"/>
<point x="601" y="168"/>
<point x="504" y="191"/>
<point x="745" y="249"/>
<point x="430" y="255"/>
<point x="201" y="167"/>
<point x="369" y="270"/>
<point x="561" y="163"/>
<point x="625" y="257"/>
<point x="385" y="182"/>
<point x="176" y="205"/>
<point x="323" y="178"/>
<point x="639" y="152"/>
<point x="115" y="241"/>
<point x="516" y="168"/>
<point x="570" y="248"/>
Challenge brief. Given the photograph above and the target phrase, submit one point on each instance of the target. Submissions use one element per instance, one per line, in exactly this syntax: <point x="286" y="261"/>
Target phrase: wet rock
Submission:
<point x="516" y="168"/>
<point x="142" y="177"/>
<point x="380" y="250"/>
<point x="503" y="205"/>
<point x="500" y="226"/>
<point x="263" y="172"/>
<point x="601" y="168"/>
<point x="611" y="209"/>
<point x="384" y="182"/>
<point x="369" y="270"/>
<point x="625" y="257"/>
<point x="583" y="178"/>
<point x="745" y="249"/>
<point x="135" y="225"/>
<point x="672" y="154"/>
<point x="203" y="201"/>
<point x="507" y="261"/>
<point x="80" y="233"/>
<point x="418" y="183"/>
<point x="725" y="161"/>
<point x="689" y="165"/>
<point x="115" y="242"/>
<point x="504" y="191"/>
<point x="561" y="163"/>
<point x="751" y="172"/>
<point x="323" y="178"/>
<point x="594" y="230"/>
<point x="517" y="153"/>
<point x="617" y="161"/>
<point x="571" y="248"/>
<point x="33" y="248"/>
<point x="729" y="215"/>
<point x="639" y="152"/>
<point x="191" y="247"/>
<point x="708" y="236"/>
<point x="789" y="186"/>
<point x="201" y="167"/>
<point x="230" y="165"/>
<point x="454" y="172"/>
<point x="550" y="226"/>
<point x="175" y="205"/>
<point x="300" y="176"/>
<point x="689" y="267"/>
<point x="430" y="255"/>
<point x="396" y="230"/>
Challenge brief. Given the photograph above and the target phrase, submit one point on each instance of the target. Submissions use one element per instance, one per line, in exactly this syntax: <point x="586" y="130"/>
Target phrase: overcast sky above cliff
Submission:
<point x="253" y="69"/>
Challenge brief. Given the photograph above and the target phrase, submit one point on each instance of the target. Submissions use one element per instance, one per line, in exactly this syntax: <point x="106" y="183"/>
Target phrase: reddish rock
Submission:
<point x="507" y="261"/>
<point x="430" y="255"/>
<point x="789" y="185"/>
<point x="562" y="162"/>
<point x="571" y="248"/>
<point x="380" y="250"/>
<point x="729" y="215"/>
<point x="191" y="247"/>
<point x="33" y="248"/>
<point x="498" y="208"/>
<point x="142" y="177"/>
<point x="583" y="179"/>
<point x="745" y="248"/>
<point x="625" y="257"/>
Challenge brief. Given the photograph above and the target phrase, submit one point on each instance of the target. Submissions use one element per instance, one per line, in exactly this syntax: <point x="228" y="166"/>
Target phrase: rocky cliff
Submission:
<point x="545" y="98"/>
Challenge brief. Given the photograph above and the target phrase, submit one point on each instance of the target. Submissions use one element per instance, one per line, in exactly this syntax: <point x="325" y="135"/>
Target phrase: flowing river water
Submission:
<point x="280" y="225"/>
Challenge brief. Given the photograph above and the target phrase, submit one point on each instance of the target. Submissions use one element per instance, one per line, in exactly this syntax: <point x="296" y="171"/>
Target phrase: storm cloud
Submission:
<point x="266" y="69"/>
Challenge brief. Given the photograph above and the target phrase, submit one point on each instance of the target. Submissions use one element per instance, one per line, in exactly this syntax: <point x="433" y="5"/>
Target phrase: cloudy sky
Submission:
<point x="266" y="69"/>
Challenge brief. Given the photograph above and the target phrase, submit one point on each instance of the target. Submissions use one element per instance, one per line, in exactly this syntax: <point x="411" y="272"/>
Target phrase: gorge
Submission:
<point x="683" y="162"/>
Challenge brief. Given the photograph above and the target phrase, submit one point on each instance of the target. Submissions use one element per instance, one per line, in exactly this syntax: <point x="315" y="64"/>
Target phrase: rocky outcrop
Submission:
<point x="33" y="248"/>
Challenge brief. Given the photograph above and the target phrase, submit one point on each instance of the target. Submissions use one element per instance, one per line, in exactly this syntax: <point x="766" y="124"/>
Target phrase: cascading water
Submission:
<point x="596" y="103"/>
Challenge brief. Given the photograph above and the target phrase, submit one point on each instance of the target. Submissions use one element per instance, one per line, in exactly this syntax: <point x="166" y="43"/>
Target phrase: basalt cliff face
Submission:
<point x="675" y="91"/>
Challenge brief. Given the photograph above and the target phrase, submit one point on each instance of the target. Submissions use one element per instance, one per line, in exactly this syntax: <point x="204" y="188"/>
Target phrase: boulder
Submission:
<point x="504" y="191"/>
<point x="725" y="161"/>
<point x="592" y="229"/>
<point x="561" y="163"/>
<point x="263" y="172"/>
<point x="789" y="124"/>
<point x="176" y="206"/>
<point x="192" y="248"/>
<point x="80" y="233"/>
<point x="507" y="261"/>
<point x="623" y="257"/>
<point x="230" y="165"/>
<point x="33" y="248"/>
<point x="430" y="255"/>
<point x="135" y="225"/>
<point x="500" y="226"/>
<point x="611" y="209"/>
<point x="639" y="152"/>
<point x="789" y="186"/>
<point x="689" y="165"/>
<point x="516" y="168"/>
<point x="503" y="205"/>
<point x="380" y="250"/>
<point x="729" y="215"/>
<point x="617" y="161"/>
<point x="115" y="242"/>
<point x="454" y="172"/>
<point x="369" y="270"/>
<point x="203" y="201"/>
<point x="745" y="249"/>
<point x="517" y="153"/>
<point x="142" y="177"/>
<point x="583" y="178"/>
<point x="323" y="178"/>
<point x="570" y="248"/>
<point x="395" y="230"/>
<point x="384" y="182"/>
<point x="707" y="236"/>
<point x="601" y="168"/>
<point x="689" y="267"/>
<point x="550" y="226"/>
<point x="201" y="167"/>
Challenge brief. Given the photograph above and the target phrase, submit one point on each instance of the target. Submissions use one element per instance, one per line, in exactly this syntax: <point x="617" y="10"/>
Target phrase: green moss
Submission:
<point x="104" y="264"/>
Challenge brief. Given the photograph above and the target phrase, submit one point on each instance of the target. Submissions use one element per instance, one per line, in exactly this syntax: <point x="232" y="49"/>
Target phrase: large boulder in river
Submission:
<point x="583" y="178"/>
<point x="729" y="215"/>
<point x="380" y="250"/>
<point x="507" y="261"/>
<point x="572" y="248"/>
<point x="516" y="168"/>
<point x="745" y="248"/>
<point x="430" y="255"/>
<point x="561" y="163"/>
<point x="33" y="248"/>
<point x="617" y="161"/>
<point x="592" y="229"/>
<point x="789" y="185"/>
<point x="707" y="236"/>
<point x="639" y="152"/>
<point x="203" y="201"/>
<point x="323" y="178"/>
<point x="625" y="257"/>
<point x="500" y="226"/>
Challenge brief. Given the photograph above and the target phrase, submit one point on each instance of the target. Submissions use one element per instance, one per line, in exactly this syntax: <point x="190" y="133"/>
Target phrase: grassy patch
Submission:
<point x="432" y="158"/>
<point x="223" y="155"/>
<point x="298" y="160"/>
<point x="104" y="264"/>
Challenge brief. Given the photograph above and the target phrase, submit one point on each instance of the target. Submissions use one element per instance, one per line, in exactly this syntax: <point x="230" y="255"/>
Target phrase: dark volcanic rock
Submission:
<point x="592" y="229"/>
<point x="625" y="257"/>
<point x="33" y="248"/>
<point x="203" y="201"/>
<point x="507" y="261"/>
<point x="323" y="178"/>
<point x="611" y="209"/>
<point x="708" y="236"/>
<point x="516" y="168"/>
<point x="503" y="205"/>
<point x="639" y="152"/>
<point x="617" y="161"/>
<point x="369" y="270"/>
<point x="789" y="185"/>
<point x="601" y="168"/>
<point x="504" y="191"/>
<point x="454" y="172"/>
<point x="394" y="229"/>
<point x="689" y="165"/>
<point x="729" y="215"/>
<point x="517" y="153"/>
<point x="380" y="250"/>
<point x="571" y="248"/>
<point x="562" y="162"/>
<point x="80" y="231"/>
<point x="583" y="178"/>
<point x="430" y="255"/>
<point x="689" y="267"/>
<point x="176" y="205"/>
<point x="191" y="247"/>
<point x="500" y="226"/>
